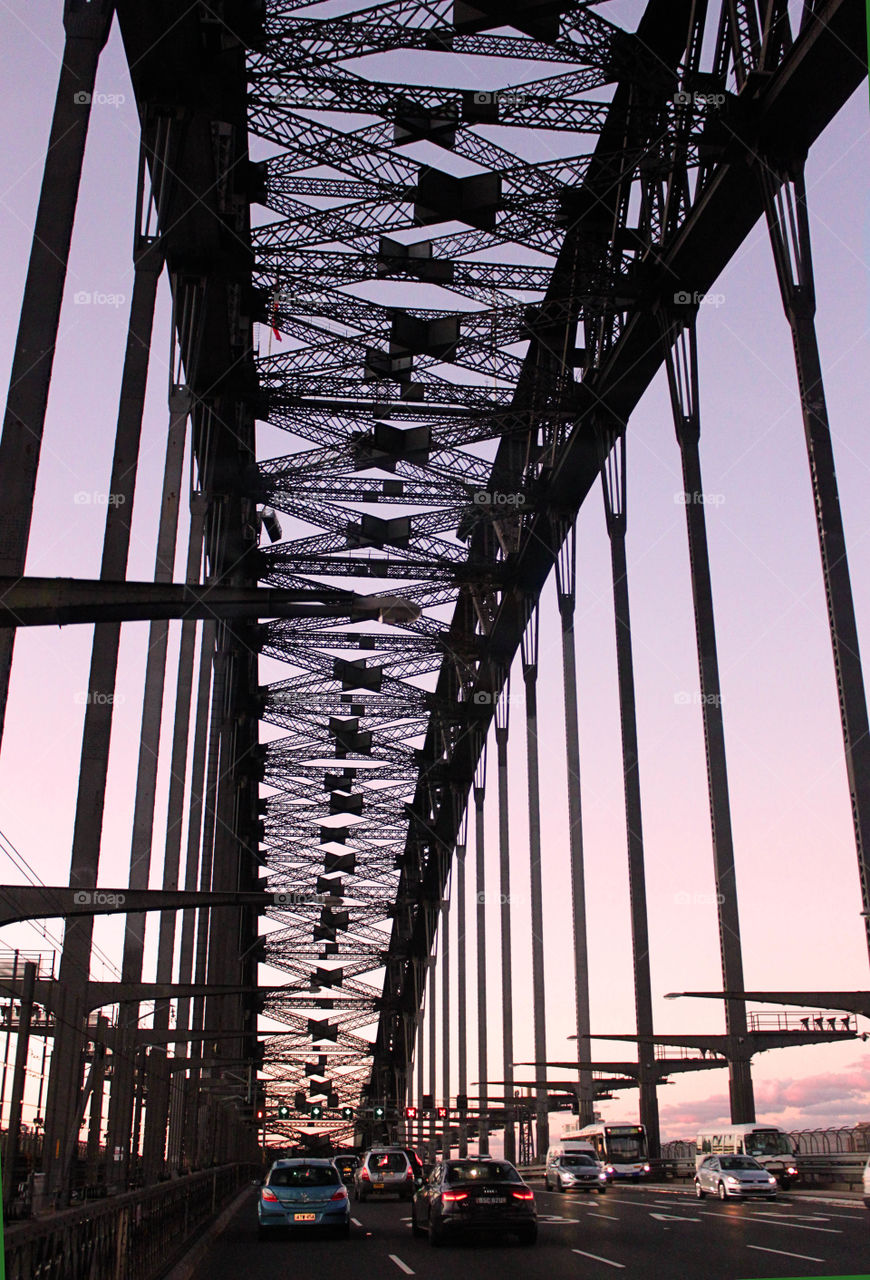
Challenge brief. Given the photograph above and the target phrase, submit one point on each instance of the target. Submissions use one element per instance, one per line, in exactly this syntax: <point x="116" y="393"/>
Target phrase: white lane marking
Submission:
<point x="804" y="1257"/>
<point x="673" y="1217"/>
<point x="797" y="1226"/>
<point x="356" y="1222"/>
<point x="403" y="1266"/>
<point x="596" y="1257"/>
<point x="609" y="1216"/>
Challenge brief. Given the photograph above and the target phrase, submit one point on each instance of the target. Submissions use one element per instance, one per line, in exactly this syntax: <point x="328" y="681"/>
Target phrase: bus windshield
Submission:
<point x="625" y="1148"/>
<point x="768" y="1142"/>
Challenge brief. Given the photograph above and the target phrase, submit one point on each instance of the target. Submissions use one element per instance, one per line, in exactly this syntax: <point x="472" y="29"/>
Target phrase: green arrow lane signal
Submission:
<point x="283" y="1112"/>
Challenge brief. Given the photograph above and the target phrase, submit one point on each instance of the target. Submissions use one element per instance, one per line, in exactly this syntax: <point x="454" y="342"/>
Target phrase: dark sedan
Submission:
<point x="465" y="1196"/>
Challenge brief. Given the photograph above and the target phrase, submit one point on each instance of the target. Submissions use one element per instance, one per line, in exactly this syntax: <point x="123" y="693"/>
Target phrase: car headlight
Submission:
<point x="732" y="1182"/>
<point x="791" y="1170"/>
<point x="602" y="1177"/>
<point x="770" y="1178"/>
<point x="608" y="1168"/>
<point x="646" y="1168"/>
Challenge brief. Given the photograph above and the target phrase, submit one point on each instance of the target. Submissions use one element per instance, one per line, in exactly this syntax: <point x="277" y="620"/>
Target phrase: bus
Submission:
<point x="621" y="1148"/>
<point x="769" y="1145"/>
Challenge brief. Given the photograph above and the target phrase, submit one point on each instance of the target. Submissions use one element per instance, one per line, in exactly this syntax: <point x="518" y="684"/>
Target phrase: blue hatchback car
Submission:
<point x="300" y="1194"/>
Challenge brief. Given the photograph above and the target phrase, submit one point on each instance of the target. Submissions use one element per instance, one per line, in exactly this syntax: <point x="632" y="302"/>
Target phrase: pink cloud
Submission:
<point x="840" y="1099"/>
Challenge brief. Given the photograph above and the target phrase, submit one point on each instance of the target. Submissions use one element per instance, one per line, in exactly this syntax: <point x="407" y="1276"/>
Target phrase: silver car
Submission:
<point x="731" y="1176"/>
<point x="867" y="1184"/>
<point x="384" y="1171"/>
<point x="576" y="1172"/>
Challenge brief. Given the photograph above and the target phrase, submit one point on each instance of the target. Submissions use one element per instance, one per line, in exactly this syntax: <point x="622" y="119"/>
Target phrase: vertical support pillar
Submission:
<point x="96" y="733"/>
<point x="502" y="721"/>
<point x="461" y="990"/>
<point x="681" y="353"/>
<point x="480" y="848"/>
<point x="95" y="1122"/>
<point x="22" y="1046"/>
<point x="433" y="1030"/>
<point x="614" y="489"/>
<point x="149" y="746"/>
<point x="530" y="676"/>
<point x="566" y="566"/>
<point x="788" y="224"/>
<point x="87" y="29"/>
<point x="445" y="1025"/>
<point x="420" y="1046"/>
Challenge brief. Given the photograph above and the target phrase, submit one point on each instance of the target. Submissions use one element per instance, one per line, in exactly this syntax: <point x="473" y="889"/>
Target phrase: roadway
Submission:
<point x="647" y="1233"/>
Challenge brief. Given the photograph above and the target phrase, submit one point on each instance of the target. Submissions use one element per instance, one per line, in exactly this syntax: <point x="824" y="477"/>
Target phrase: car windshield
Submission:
<point x="767" y="1144"/>
<point x="388" y="1162"/>
<point x="483" y="1171"/>
<point x="738" y="1162"/>
<point x="304" y="1175"/>
<point x="574" y="1162"/>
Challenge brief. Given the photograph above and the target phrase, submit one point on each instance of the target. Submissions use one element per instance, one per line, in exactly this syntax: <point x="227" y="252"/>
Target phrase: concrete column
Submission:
<point x="507" y="1015"/>
<point x="482" y="1068"/>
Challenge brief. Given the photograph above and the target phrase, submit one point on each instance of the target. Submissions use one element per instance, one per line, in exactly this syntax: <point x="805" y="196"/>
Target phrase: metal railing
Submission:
<point x="131" y="1237"/>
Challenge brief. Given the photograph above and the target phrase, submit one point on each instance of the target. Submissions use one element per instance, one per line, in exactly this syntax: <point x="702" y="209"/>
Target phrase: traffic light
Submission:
<point x="283" y="1112"/>
<point x="299" y="1101"/>
<point x="379" y="1113"/>
<point x="347" y="1113"/>
<point x="462" y="1102"/>
<point x="332" y="1101"/>
<point x="442" y="1113"/>
<point x="260" y="1115"/>
<point x="428" y="1101"/>
<point x="410" y="1113"/>
<point x="316" y="1111"/>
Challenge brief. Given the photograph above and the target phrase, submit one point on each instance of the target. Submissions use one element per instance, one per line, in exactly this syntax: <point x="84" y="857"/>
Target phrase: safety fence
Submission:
<point x="135" y="1236"/>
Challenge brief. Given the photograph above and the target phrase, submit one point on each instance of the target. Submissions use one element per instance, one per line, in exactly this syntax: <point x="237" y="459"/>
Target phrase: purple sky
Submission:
<point x="796" y="861"/>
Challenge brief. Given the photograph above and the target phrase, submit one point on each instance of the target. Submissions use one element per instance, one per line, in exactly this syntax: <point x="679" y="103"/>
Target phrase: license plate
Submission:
<point x="304" y="1217"/>
<point x="493" y="1200"/>
<point x="378" y="1186"/>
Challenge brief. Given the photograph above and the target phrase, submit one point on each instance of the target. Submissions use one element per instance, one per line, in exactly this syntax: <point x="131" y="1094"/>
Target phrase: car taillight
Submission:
<point x="523" y="1195"/>
<point x="269" y="1196"/>
<point x="340" y="1194"/>
<point x="410" y="1174"/>
<point x="450" y="1196"/>
<point x="364" y="1176"/>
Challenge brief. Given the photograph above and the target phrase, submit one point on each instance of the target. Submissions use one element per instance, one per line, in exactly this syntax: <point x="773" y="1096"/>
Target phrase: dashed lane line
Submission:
<point x="804" y="1257"/>
<point x="597" y="1258"/>
<point x="609" y="1216"/>
<point x="403" y="1266"/>
<point x="356" y="1222"/>
<point x="796" y="1226"/>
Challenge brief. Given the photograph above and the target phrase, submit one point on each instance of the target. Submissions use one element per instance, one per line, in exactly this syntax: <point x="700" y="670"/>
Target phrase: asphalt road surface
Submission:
<point x="633" y="1232"/>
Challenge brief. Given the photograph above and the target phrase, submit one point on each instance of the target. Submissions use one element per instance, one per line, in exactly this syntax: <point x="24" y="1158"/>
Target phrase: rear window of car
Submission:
<point x="388" y="1162"/>
<point x="304" y="1175"/>
<point x="485" y="1171"/>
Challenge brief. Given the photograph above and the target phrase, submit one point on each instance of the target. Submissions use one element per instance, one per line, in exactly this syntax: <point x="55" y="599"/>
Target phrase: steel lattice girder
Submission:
<point x="357" y="367"/>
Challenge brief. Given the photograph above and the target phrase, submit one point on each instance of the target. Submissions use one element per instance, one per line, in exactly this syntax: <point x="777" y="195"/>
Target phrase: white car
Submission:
<point x="866" y="1182"/>
<point x="732" y="1176"/>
